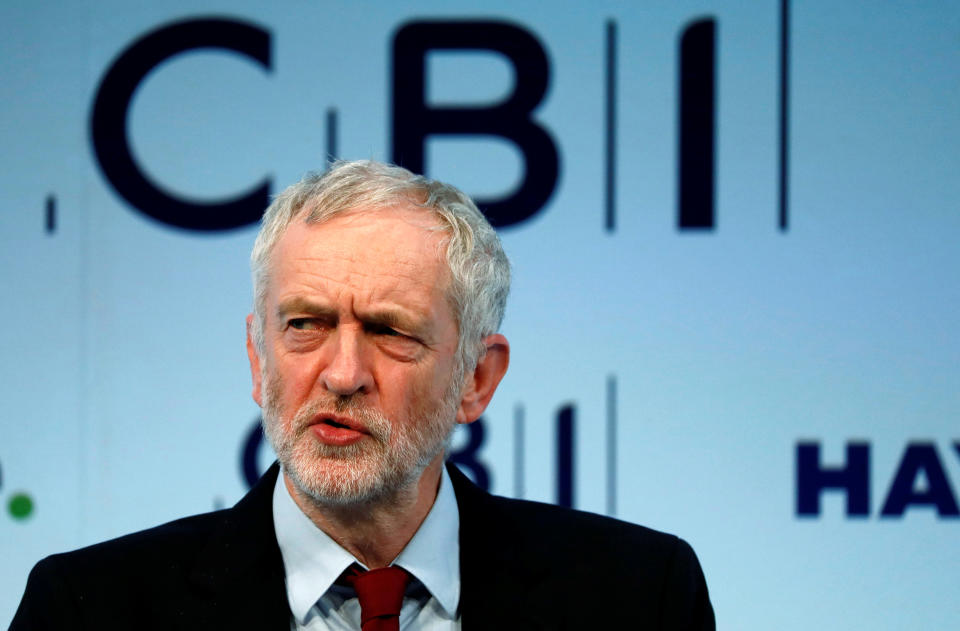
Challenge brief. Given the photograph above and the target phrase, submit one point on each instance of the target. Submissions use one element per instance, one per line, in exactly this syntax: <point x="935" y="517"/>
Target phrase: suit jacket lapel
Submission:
<point x="239" y="577"/>
<point x="501" y="587"/>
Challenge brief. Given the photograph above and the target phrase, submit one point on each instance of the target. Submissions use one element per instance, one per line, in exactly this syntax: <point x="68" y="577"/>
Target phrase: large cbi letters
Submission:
<point x="413" y="120"/>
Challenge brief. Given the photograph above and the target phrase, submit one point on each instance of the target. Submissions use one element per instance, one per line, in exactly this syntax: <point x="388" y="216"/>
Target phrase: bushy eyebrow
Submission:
<point x="393" y="320"/>
<point x="303" y="305"/>
<point x="388" y="318"/>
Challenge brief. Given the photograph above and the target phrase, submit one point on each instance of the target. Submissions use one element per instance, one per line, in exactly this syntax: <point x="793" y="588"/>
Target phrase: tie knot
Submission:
<point x="381" y="595"/>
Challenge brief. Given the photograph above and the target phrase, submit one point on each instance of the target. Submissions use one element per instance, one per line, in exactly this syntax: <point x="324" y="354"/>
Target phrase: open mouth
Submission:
<point x="337" y="430"/>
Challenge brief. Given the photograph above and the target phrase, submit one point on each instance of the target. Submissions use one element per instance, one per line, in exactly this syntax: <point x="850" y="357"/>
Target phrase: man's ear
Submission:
<point x="482" y="382"/>
<point x="254" y="357"/>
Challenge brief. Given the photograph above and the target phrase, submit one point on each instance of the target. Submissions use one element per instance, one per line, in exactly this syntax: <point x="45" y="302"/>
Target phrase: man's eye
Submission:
<point x="382" y="329"/>
<point x="303" y="324"/>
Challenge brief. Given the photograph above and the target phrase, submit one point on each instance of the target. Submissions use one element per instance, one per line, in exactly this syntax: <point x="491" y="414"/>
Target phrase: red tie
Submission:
<point x="381" y="595"/>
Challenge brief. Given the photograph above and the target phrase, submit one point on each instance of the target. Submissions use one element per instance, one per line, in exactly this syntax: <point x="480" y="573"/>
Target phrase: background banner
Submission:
<point x="734" y="230"/>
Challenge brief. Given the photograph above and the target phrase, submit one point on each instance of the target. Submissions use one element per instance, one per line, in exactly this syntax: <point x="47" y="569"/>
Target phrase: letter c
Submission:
<point x="110" y="113"/>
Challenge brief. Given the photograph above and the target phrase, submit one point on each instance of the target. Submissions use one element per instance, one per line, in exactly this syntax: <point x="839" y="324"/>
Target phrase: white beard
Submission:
<point x="390" y="458"/>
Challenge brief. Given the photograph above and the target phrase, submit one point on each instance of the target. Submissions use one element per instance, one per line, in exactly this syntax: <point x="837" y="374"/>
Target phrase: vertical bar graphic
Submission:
<point x="331" y="134"/>
<point x="50" y="219"/>
<point x="611" y="445"/>
<point x="518" y="450"/>
<point x="251" y="446"/>
<point x="565" y="465"/>
<point x="784" y="112"/>
<point x="697" y="132"/>
<point x="611" y="127"/>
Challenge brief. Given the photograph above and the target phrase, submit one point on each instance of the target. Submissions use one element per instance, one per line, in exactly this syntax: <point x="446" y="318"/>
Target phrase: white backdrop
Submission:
<point x="712" y="354"/>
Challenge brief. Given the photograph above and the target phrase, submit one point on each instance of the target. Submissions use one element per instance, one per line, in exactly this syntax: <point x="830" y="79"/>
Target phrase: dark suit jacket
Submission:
<point x="523" y="565"/>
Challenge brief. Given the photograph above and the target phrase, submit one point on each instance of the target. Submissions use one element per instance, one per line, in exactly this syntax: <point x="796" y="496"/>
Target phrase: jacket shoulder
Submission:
<point x="579" y="535"/>
<point x="193" y="567"/>
<point x="164" y="543"/>
<point x="550" y="554"/>
<point x="104" y="577"/>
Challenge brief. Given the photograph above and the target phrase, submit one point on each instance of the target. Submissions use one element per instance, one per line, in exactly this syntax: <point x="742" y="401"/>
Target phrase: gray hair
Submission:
<point x="479" y="269"/>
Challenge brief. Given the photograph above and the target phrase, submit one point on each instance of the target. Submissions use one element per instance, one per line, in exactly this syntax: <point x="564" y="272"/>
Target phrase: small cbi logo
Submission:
<point x="466" y="452"/>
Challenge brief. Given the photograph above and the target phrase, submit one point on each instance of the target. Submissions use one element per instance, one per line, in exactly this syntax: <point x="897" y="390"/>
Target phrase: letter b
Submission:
<point x="414" y="120"/>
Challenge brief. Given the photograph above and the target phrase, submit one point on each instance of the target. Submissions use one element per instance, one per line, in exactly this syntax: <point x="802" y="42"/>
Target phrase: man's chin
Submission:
<point x="338" y="481"/>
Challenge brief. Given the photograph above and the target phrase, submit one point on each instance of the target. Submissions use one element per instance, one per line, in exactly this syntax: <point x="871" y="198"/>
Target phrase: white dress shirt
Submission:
<point x="313" y="561"/>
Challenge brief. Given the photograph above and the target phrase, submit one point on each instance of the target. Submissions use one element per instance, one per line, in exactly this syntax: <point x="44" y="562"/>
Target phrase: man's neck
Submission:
<point x="374" y="532"/>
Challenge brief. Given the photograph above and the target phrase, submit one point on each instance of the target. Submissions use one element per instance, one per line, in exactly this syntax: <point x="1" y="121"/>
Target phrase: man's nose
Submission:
<point x="346" y="371"/>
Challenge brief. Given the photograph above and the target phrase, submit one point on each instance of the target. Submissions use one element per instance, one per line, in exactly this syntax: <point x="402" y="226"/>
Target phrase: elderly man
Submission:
<point x="378" y="297"/>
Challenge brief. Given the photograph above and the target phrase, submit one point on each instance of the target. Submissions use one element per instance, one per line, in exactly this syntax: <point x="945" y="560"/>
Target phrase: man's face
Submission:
<point x="359" y="352"/>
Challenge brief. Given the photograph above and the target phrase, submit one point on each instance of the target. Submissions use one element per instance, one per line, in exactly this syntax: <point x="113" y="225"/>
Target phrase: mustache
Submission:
<point x="368" y="418"/>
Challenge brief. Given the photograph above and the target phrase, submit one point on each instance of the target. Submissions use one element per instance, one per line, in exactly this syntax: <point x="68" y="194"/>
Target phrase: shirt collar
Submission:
<point x="433" y="555"/>
<point x="312" y="560"/>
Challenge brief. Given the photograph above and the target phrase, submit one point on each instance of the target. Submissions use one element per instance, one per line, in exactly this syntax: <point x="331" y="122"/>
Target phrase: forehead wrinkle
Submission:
<point x="393" y="260"/>
<point x="339" y="268"/>
<point x="403" y="276"/>
<point x="396" y="257"/>
<point x="376" y="301"/>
